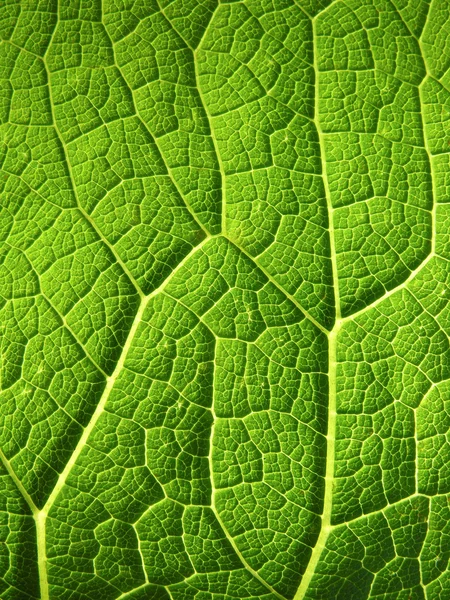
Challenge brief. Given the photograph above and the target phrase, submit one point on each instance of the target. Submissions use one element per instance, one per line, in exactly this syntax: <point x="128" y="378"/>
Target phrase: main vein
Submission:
<point x="332" y="358"/>
<point x="329" y="470"/>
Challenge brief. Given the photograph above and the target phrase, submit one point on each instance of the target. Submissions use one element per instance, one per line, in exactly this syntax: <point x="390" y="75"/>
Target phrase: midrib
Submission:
<point x="332" y="356"/>
<point x="329" y="470"/>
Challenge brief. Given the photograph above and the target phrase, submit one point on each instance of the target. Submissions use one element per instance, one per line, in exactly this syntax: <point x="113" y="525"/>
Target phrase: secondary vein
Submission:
<point x="41" y="515"/>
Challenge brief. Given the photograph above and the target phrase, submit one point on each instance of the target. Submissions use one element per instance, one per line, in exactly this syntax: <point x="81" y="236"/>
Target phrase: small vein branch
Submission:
<point x="85" y="214"/>
<point x="157" y="144"/>
<point x="218" y="517"/>
<point x="280" y="288"/>
<point x="394" y="290"/>
<point x="34" y="509"/>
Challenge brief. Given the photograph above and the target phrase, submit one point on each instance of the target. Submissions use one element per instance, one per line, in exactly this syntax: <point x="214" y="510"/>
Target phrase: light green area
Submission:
<point x="224" y="300"/>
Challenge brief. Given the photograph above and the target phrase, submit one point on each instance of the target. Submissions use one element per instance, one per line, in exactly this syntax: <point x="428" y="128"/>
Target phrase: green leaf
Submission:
<point x="224" y="300"/>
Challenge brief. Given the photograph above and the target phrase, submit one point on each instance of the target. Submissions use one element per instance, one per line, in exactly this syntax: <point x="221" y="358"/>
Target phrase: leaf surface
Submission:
<point x="224" y="300"/>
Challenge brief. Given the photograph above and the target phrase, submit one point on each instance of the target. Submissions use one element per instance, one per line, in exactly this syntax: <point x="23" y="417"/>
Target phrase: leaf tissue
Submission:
<point x="224" y="300"/>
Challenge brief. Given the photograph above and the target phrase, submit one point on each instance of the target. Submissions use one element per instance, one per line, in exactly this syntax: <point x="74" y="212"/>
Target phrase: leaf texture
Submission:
<point x="224" y="300"/>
